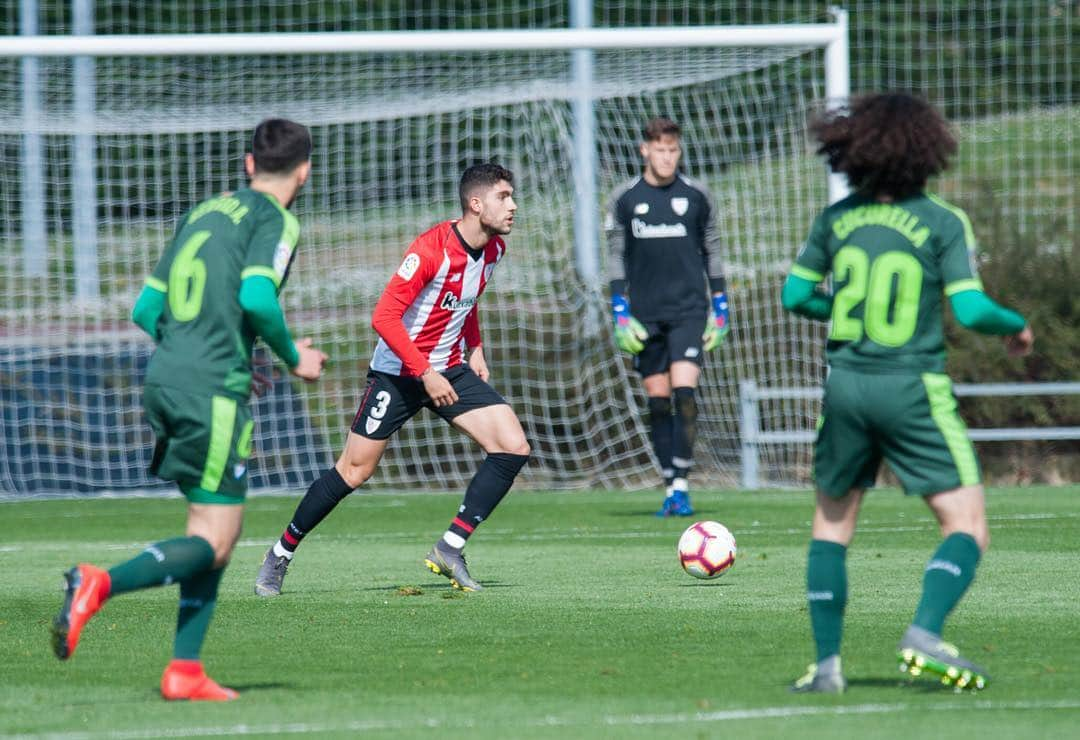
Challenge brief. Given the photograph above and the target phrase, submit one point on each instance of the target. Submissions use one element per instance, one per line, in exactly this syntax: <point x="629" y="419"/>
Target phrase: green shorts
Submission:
<point x="203" y="442"/>
<point x="909" y="420"/>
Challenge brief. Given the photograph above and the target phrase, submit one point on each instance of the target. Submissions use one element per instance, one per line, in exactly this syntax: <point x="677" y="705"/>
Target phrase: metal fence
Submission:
<point x="753" y="437"/>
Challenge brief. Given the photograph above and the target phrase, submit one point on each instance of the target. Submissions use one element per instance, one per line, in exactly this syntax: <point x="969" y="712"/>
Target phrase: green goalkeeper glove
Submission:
<point x="716" y="328"/>
<point x="630" y="334"/>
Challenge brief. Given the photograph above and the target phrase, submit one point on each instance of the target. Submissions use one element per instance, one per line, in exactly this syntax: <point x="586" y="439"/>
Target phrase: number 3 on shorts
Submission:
<point x="382" y="402"/>
<point x="377" y="412"/>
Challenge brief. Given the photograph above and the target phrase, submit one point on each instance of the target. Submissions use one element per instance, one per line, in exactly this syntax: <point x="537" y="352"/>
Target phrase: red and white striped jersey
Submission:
<point x="428" y="312"/>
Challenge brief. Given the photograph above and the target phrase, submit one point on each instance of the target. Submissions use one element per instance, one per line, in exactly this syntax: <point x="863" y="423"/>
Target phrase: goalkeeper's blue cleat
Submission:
<point x="677" y="503"/>
<point x="921" y="651"/>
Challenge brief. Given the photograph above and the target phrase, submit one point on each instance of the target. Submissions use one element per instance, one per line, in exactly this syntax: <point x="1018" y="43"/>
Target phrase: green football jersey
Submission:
<point x="891" y="265"/>
<point x="206" y="343"/>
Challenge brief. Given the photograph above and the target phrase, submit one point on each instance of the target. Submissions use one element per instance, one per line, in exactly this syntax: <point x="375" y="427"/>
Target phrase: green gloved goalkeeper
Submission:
<point x="666" y="277"/>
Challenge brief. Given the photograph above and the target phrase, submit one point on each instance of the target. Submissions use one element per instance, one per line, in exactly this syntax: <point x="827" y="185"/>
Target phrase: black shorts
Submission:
<point x="391" y="400"/>
<point x="668" y="342"/>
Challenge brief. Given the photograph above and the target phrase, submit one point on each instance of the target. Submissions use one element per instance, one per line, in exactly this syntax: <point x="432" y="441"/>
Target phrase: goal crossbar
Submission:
<point x="242" y="44"/>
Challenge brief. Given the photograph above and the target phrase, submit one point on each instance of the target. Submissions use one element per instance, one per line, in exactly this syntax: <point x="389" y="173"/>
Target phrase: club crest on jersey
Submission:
<point x="679" y="205"/>
<point x="641" y="209"/>
<point x="451" y="302"/>
<point x="409" y="266"/>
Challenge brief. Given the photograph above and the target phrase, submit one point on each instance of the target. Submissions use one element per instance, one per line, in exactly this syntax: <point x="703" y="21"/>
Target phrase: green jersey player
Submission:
<point x="214" y="290"/>
<point x="894" y="252"/>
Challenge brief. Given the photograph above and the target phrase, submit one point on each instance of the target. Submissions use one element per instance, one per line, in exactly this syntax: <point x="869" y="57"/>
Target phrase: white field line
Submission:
<point x="537" y="535"/>
<point x="637" y="720"/>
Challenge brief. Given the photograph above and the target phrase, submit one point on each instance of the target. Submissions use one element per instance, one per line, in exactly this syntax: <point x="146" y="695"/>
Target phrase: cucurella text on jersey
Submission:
<point x="892" y="264"/>
<point x="205" y="342"/>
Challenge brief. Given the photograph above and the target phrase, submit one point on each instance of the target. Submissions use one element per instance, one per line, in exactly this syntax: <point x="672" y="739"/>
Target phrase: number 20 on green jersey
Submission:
<point x="887" y="288"/>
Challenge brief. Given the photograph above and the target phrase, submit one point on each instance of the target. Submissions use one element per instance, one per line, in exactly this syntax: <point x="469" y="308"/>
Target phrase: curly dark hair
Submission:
<point x="887" y="144"/>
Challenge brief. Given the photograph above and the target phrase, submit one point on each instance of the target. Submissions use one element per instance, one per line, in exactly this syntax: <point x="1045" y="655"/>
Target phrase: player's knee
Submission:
<point x="223" y="548"/>
<point x="510" y="445"/>
<point x="355" y="472"/>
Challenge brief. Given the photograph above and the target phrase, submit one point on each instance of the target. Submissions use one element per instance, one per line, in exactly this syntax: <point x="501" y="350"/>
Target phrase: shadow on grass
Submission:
<point x="923" y="687"/>
<point x="700" y="514"/>
<point x="263" y="686"/>
<point x="435" y="586"/>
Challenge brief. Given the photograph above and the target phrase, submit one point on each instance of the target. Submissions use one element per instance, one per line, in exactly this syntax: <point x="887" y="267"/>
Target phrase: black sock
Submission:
<point x="682" y="448"/>
<point x="321" y="498"/>
<point x="486" y="490"/>
<point x="661" y="428"/>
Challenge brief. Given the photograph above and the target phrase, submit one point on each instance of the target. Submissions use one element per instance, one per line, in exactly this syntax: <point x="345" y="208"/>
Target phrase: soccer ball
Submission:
<point x="707" y="550"/>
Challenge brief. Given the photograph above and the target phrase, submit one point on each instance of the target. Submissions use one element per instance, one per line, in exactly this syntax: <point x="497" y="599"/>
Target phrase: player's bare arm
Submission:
<point x="479" y="364"/>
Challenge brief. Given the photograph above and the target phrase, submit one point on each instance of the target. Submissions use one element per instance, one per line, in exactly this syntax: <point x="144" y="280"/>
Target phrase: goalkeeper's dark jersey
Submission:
<point x="205" y="342"/>
<point x="663" y="243"/>
<point x="891" y="264"/>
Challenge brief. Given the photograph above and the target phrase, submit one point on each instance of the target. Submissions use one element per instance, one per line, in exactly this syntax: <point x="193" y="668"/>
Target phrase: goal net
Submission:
<point x="392" y="133"/>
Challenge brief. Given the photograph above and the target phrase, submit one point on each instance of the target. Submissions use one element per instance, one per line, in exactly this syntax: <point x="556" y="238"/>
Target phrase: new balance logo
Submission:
<point x="456" y="277"/>
<point x="819" y="595"/>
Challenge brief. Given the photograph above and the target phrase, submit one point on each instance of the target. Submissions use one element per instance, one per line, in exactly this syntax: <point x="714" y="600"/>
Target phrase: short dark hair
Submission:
<point x="481" y="176"/>
<point x="659" y="127"/>
<point x="887" y="143"/>
<point x="279" y="146"/>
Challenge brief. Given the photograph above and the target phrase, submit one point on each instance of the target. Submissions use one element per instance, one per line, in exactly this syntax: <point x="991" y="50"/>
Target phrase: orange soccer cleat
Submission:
<point x="85" y="591"/>
<point x="186" y="679"/>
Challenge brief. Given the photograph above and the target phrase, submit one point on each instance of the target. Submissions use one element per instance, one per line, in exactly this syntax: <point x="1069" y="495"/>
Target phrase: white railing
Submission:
<point x="753" y="437"/>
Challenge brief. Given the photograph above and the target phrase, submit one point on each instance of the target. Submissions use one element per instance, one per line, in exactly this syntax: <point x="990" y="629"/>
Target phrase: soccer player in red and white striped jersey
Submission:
<point x="430" y="354"/>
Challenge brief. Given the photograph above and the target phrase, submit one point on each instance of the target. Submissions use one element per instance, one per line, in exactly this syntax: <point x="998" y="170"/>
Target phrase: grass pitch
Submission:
<point x="587" y="626"/>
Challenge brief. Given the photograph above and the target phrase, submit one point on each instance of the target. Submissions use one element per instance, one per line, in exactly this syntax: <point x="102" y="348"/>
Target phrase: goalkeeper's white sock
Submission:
<point x="679" y="484"/>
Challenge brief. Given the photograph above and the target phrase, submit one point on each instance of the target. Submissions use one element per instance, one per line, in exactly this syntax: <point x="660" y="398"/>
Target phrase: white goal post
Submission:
<point x="833" y="37"/>
<point x="422" y="102"/>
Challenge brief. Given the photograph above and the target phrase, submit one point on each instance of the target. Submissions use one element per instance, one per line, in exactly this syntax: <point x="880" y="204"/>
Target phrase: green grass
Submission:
<point x="587" y="628"/>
